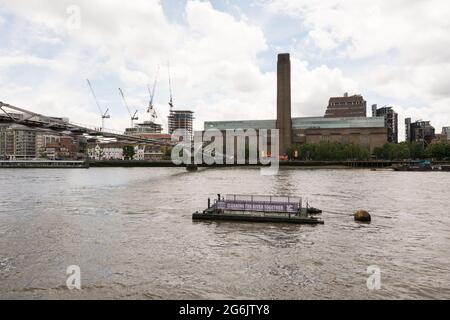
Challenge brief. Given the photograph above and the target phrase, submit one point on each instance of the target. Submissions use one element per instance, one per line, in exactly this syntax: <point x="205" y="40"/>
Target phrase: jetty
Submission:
<point x="43" y="164"/>
<point x="253" y="208"/>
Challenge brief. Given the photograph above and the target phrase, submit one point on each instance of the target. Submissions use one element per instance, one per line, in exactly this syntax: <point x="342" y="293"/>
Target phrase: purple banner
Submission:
<point x="262" y="206"/>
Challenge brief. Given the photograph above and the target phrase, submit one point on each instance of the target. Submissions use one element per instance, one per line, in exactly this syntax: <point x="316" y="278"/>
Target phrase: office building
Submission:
<point x="391" y="121"/>
<point x="143" y="129"/>
<point x="346" y="106"/>
<point x="420" y="131"/>
<point x="446" y="132"/>
<point x="17" y="142"/>
<point x="114" y="151"/>
<point x="181" y="119"/>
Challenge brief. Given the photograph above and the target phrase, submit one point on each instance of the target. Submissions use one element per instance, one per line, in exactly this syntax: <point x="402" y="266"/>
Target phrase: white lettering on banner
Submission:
<point x="264" y="207"/>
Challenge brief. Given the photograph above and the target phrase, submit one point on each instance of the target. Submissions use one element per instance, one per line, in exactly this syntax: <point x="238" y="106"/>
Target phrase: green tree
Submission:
<point x="388" y="151"/>
<point x="447" y="150"/>
<point x="167" y="153"/>
<point x="416" y="150"/>
<point x="329" y="151"/>
<point x="439" y="150"/>
<point x="408" y="150"/>
<point x="307" y="151"/>
<point x="129" y="152"/>
<point x="378" y="152"/>
<point x="403" y="152"/>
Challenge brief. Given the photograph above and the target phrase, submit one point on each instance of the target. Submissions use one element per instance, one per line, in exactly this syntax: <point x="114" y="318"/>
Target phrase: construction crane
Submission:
<point x="170" y="88"/>
<point x="151" y="108"/>
<point x="132" y="116"/>
<point x="104" y="115"/>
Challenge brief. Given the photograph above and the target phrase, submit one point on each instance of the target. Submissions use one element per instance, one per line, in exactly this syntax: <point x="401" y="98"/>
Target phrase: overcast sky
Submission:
<point x="223" y="56"/>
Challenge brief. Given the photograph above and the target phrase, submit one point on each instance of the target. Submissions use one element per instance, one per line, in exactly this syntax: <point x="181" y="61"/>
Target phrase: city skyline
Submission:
<point x="45" y="60"/>
<point x="225" y="158"/>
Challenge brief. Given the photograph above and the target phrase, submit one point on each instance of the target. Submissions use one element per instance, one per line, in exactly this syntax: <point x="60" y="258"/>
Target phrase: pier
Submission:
<point x="43" y="164"/>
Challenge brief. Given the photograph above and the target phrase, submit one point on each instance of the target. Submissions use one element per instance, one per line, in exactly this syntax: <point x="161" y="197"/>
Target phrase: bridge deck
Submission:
<point x="36" y="120"/>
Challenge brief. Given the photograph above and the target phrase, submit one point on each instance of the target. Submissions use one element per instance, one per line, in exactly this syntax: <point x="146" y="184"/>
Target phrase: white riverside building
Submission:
<point x="114" y="151"/>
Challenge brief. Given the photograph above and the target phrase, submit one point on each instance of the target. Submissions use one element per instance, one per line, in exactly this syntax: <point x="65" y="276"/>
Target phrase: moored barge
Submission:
<point x="421" y="166"/>
<point x="252" y="208"/>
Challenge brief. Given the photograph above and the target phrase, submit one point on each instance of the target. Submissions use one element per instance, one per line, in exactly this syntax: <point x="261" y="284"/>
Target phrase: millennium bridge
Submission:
<point x="13" y="114"/>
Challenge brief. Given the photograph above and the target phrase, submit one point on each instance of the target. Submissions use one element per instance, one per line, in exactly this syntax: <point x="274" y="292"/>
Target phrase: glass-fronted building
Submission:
<point x="301" y="123"/>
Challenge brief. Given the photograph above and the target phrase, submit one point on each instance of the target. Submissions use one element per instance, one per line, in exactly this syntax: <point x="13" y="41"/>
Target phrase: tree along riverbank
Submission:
<point x="290" y="163"/>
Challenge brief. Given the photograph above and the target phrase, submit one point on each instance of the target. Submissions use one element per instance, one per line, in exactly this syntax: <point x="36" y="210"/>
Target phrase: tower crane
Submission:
<point x="151" y="108"/>
<point x="170" y="88"/>
<point x="132" y="116"/>
<point x="104" y="115"/>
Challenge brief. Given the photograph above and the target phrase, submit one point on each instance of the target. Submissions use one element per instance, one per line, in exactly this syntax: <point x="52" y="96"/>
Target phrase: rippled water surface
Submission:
<point x="131" y="233"/>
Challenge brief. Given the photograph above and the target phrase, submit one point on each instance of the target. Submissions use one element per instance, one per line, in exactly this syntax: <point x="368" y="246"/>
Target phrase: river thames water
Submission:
<point x="130" y="231"/>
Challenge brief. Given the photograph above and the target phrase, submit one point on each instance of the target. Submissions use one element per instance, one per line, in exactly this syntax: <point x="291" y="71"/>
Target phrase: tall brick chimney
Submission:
<point x="284" y="120"/>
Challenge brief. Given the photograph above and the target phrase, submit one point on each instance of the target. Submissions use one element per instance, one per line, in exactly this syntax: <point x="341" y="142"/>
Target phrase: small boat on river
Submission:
<point x="415" y="166"/>
<point x="421" y="166"/>
<point x="253" y="208"/>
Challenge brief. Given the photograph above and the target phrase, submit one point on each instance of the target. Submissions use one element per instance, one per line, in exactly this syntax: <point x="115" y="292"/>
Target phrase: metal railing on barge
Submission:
<point x="246" y="204"/>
